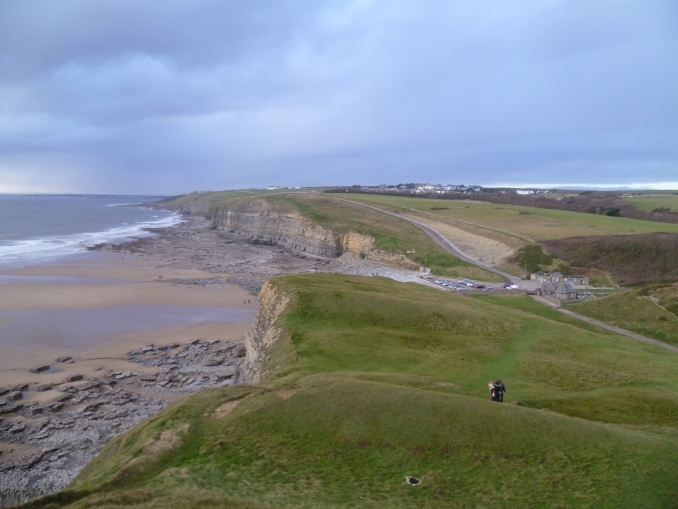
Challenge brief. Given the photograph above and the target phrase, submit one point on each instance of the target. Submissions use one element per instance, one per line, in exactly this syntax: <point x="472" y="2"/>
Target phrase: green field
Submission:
<point x="528" y="222"/>
<point x="651" y="310"/>
<point x="379" y="380"/>
<point x="650" y="203"/>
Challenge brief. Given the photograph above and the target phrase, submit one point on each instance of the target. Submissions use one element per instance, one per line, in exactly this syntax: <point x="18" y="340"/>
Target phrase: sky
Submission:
<point x="133" y="96"/>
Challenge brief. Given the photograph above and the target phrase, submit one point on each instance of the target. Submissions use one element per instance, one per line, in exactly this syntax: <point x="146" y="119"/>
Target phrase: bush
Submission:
<point x="631" y="259"/>
<point x="532" y="257"/>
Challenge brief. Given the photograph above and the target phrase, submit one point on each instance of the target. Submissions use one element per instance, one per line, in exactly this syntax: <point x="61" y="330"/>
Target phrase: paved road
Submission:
<point x="444" y="242"/>
<point x="451" y="248"/>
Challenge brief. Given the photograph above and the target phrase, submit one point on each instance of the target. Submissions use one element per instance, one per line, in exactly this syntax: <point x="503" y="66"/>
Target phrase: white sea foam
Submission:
<point x="30" y="251"/>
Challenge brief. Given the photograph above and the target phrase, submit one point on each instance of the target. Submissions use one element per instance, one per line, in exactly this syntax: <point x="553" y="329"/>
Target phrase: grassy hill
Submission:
<point x="379" y="380"/>
<point x="651" y="310"/>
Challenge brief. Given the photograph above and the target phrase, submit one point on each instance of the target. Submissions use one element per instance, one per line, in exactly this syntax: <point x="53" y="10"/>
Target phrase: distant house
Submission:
<point x="272" y="188"/>
<point x="561" y="291"/>
<point x="557" y="277"/>
<point x="524" y="191"/>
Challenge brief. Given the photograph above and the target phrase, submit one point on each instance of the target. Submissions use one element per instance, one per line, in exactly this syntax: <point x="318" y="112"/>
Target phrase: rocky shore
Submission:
<point x="55" y="440"/>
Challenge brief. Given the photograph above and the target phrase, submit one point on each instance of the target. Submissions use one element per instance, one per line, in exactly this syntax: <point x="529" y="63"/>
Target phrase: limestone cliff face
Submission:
<point x="264" y="333"/>
<point x="265" y="222"/>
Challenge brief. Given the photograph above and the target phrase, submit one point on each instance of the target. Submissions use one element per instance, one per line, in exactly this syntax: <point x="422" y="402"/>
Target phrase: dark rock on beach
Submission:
<point x="71" y="430"/>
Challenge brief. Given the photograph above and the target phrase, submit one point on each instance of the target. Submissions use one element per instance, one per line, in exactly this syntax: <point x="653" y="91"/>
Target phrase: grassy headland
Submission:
<point x="390" y="234"/>
<point x="378" y="380"/>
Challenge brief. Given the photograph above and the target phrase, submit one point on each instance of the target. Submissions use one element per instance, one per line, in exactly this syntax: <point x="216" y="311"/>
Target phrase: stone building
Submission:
<point x="557" y="277"/>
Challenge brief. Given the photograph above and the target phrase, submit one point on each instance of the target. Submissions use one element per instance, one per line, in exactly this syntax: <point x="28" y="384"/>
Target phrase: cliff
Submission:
<point x="280" y="223"/>
<point x="265" y="334"/>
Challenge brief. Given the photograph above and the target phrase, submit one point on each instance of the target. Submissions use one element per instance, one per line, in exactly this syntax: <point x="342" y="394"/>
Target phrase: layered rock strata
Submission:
<point x="266" y="223"/>
<point x="264" y="333"/>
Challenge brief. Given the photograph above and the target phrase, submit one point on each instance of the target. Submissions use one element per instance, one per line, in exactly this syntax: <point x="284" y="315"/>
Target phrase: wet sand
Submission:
<point x="96" y="307"/>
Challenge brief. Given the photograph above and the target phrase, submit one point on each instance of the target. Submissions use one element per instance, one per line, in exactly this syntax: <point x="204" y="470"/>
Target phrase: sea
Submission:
<point x="36" y="229"/>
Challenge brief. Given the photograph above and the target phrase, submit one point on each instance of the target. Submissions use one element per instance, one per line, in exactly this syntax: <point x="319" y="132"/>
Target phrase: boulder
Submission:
<point x="18" y="427"/>
<point x="3" y="391"/>
<point x="39" y="369"/>
<point x="6" y="467"/>
<point x="213" y="362"/>
<point x="44" y="387"/>
<point x="30" y="462"/>
<point x="150" y="377"/>
<point x="20" y="387"/>
<point x="74" y="378"/>
<point x="15" y="396"/>
<point x="147" y="349"/>
<point x="10" y="408"/>
<point x="194" y="342"/>
<point x="240" y="352"/>
<point x="63" y="359"/>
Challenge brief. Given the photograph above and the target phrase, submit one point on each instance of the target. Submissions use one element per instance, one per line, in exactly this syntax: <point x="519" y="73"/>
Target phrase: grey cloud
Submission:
<point x="135" y="96"/>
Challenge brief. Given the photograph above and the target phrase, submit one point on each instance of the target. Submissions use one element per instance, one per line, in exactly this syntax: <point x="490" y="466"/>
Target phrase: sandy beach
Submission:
<point x="96" y="312"/>
<point x="101" y="284"/>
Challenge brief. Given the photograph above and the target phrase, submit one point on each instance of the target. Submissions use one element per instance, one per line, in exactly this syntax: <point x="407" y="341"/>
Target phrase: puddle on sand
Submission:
<point x="87" y="327"/>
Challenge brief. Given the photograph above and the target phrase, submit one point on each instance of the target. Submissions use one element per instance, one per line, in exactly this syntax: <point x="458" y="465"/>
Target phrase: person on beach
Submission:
<point x="501" y="389"/>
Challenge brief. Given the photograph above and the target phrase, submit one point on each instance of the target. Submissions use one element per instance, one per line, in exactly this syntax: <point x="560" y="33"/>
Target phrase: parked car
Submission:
<point x="480" y="287"/>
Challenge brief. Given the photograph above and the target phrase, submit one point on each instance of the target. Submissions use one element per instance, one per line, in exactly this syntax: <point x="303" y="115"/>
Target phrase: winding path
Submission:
<point x="443" y="241"/>
<point x="451" y="248"/>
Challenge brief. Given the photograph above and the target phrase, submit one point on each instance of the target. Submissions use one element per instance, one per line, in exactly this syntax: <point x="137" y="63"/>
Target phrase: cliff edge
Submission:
<point x="264" y="334"/>
<point x="279" y="223"/>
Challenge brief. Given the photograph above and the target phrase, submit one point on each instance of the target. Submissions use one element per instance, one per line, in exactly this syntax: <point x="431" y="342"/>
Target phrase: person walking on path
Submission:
<point x="501" y="389"/>
<point x="494" y="392"/>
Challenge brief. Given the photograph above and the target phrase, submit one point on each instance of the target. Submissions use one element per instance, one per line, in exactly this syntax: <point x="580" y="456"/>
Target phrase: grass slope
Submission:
<point x="383" y="380"/>
<point x="529" y="222"/>
<point x="651" y="310"/>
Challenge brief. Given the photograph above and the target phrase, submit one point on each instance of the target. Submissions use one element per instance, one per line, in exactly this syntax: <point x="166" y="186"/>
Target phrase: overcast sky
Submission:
<point x="131" y="96"/>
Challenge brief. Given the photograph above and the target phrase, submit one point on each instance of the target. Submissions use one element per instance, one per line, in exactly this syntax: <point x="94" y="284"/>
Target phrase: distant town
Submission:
<point x="428" y="189"/>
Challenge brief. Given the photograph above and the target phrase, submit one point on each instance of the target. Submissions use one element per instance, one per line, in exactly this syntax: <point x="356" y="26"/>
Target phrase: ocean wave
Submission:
<point x="36" y="250"/>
